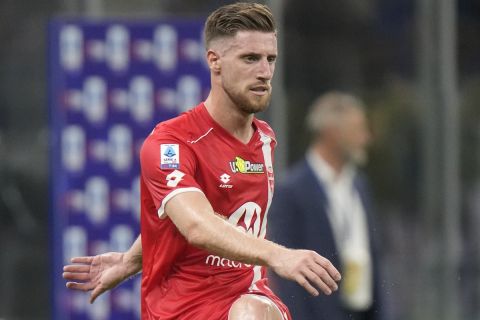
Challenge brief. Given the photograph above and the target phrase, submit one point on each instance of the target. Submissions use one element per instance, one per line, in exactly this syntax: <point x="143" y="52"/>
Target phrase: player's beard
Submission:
<point x="247" y="102"/>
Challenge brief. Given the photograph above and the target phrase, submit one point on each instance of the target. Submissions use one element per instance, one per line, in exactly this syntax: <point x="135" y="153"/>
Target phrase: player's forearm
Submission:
<point x="193" y="215"/>
<point x="133" y="258"/>
<point x="223" y="239"/>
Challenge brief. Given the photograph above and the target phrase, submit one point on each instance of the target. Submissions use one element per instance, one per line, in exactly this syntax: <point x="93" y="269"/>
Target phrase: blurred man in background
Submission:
<point x="323" y="204"/>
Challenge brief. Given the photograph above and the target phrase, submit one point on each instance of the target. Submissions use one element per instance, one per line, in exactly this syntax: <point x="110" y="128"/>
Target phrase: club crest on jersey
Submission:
<point x="169" y="156"/>
<point x="244" y="166"/>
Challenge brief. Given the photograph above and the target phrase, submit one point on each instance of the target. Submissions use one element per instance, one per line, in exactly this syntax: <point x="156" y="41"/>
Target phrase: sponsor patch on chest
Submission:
<point x="240" y="165"/>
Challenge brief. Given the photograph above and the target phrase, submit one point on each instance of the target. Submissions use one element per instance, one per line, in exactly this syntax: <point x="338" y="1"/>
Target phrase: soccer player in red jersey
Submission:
<point x="206" y="185"/>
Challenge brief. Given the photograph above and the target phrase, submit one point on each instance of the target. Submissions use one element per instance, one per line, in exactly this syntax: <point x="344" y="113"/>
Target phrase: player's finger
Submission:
<point x="301" y="280"/>
<point x="86" y="260"/>
<point x="319" y="283"/>
<point x="327" y="265"/>
<point x="76" y="276"/>
<point x="96" y="292"/>
<point x="82" y="286"/>
<point x="77" y="268"/>
<point x="323" y="276"/>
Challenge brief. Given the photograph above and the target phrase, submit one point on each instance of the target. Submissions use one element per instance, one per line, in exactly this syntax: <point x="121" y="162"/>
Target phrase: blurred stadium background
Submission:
<point x="414" y="62"/>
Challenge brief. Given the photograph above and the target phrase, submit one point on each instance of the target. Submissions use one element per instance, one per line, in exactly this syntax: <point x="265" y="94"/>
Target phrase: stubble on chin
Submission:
<point x="254" y="105"/>
<point x="247" y="102"/>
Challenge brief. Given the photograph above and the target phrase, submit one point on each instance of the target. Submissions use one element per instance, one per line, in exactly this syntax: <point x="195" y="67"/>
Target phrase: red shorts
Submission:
<point x="212" y="305"/>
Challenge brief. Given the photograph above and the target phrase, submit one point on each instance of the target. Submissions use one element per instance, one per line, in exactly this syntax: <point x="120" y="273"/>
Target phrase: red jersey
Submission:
<point x="193" y="153"/>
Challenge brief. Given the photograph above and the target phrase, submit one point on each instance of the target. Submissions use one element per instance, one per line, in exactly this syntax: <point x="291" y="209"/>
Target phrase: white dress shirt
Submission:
<point x="349" y="224"/>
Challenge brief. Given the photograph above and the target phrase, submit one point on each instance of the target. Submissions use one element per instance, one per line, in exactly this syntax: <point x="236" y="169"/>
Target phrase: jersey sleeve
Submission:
<point x="168" y="169"/>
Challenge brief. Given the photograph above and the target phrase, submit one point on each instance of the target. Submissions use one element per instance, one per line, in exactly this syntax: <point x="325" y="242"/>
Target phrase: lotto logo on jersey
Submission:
<point x="244" y="166"/>
<point x="169" y="156"/>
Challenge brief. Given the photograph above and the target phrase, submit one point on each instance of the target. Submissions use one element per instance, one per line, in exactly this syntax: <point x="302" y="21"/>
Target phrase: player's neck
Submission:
<point x="230" y="118"/>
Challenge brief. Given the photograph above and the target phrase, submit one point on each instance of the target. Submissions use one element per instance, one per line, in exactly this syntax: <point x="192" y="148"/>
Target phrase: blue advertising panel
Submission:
<point x="110" y="83"/>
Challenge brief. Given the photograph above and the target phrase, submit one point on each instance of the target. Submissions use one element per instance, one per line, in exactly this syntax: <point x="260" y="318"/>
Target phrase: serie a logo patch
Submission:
<point x="169" y="156"/>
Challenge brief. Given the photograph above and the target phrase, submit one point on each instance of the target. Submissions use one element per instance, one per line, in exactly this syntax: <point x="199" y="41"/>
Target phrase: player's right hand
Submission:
<point x="308" y="269"/>
<point x="97" y="273"/>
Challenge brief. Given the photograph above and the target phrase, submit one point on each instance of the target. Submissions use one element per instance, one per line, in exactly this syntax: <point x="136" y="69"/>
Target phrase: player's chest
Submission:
<point x="225" y="169"/>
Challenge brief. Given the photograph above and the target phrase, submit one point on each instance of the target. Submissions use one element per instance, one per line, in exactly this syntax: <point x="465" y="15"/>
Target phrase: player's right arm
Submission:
<point x="194" y="217"/>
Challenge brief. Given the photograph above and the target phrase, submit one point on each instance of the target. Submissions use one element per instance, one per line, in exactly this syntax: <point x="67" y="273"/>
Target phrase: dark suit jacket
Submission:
<point x="298" y="219"/>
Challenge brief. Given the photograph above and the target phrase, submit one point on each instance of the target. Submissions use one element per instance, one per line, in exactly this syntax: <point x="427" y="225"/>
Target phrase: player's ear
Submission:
<point x="213" y="59"/>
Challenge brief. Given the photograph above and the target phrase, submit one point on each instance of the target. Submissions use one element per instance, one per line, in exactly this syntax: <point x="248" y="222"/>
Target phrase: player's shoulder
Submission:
<point x="181" y="128"/>
<point x="169" y="136"/>
<point x="265" y="129"/>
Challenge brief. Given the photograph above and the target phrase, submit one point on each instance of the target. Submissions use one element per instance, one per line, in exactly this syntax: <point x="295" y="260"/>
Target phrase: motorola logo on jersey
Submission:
<point x="244" y="166"/>
<point x="248" y="218"/>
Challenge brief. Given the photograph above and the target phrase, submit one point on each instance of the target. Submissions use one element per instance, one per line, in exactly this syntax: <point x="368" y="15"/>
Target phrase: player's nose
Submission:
<point x="265" y="70"/>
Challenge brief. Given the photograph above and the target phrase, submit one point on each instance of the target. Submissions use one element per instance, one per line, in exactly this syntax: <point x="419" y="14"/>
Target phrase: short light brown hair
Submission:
<point x="227" y="20"/>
